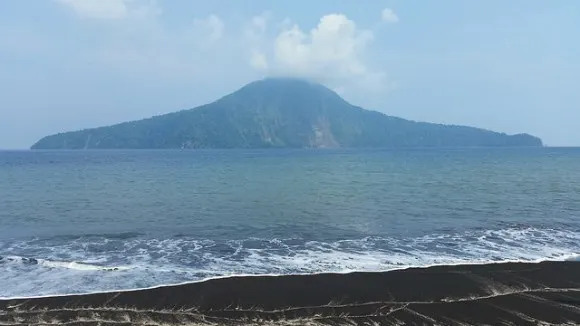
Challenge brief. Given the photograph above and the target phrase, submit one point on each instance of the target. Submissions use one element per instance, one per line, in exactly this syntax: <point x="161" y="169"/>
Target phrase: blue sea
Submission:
<point x="86" y="221"/>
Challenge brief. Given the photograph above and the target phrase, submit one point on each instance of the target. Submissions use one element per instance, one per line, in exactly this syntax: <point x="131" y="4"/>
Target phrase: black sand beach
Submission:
<point x="546" y="293"/>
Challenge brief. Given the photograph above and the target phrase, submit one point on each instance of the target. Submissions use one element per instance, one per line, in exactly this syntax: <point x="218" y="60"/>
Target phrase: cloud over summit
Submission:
<point x="334" y="51"/>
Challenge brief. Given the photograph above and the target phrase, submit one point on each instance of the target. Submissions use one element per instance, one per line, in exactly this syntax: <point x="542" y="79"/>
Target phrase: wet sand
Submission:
<point x="546" y="293"/>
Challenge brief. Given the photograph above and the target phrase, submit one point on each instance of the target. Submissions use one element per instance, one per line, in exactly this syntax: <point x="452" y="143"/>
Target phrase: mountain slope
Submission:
<point x="279" y="113"/>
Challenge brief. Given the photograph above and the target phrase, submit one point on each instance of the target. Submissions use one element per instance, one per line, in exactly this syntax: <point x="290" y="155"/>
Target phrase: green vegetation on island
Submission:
<point x="280" y="113"/>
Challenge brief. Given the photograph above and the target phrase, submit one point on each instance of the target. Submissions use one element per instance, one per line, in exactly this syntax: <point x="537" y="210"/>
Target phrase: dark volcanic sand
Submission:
<point x="496" y="294"/>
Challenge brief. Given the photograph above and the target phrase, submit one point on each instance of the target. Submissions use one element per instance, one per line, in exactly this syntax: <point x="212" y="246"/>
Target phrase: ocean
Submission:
<point x="88" y="221"/>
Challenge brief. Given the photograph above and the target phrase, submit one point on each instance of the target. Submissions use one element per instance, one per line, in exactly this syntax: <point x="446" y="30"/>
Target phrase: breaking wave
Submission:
<point x="58" y="264"/>
<point x="101" y="263"/>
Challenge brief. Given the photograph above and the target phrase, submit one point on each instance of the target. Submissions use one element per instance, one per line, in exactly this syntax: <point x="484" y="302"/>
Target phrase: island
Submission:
<point x="280" y="113"/>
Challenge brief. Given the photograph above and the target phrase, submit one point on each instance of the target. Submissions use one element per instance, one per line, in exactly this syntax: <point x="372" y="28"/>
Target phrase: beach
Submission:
<point x="546" y="293"/>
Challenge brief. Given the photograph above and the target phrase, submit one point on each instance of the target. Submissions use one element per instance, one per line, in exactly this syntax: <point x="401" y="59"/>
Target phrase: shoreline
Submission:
<point x="492" y="293"/>
<point x="569" y="258"/>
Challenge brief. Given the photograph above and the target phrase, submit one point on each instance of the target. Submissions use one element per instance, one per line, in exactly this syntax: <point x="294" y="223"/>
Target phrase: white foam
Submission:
<point x="472" y="263"/>
<point x="62" y="264"/>
<point x="142" y="263"/>
<point x="81" y="266"/>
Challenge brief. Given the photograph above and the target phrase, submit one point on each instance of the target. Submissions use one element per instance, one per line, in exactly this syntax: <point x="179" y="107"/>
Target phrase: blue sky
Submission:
<point x="511" y="66"/>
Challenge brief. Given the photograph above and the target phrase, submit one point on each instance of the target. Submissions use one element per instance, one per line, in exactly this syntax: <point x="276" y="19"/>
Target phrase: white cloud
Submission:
<point x="389" y="16"/>
<point x="260" y="22"/>
<point x="212" y="26"/>
<point x="255" y="37"/>
<point x="258" y="60"/>
<point x="255" y="30"/>
<point x="333" y="52"/>
<point x="111" y="9"/>
<point x="153" y="48"/>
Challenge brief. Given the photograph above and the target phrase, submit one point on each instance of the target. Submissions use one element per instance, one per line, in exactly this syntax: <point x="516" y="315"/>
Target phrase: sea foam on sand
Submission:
<point x="545" y="293"/>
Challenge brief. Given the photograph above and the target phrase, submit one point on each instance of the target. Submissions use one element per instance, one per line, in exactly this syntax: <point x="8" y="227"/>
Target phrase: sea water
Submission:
<point x="86" y="221"/>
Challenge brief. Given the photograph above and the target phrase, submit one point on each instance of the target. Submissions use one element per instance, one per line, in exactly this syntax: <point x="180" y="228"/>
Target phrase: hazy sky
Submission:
<point x="511" y="66"/>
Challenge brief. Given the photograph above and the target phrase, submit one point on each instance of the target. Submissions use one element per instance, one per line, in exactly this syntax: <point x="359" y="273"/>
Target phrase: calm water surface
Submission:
<point x="100" y="220"/>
